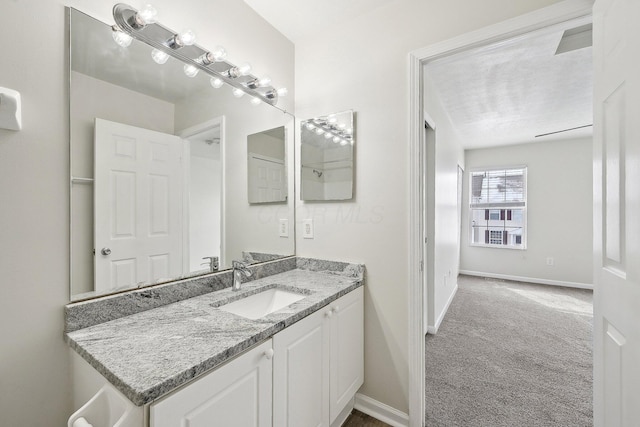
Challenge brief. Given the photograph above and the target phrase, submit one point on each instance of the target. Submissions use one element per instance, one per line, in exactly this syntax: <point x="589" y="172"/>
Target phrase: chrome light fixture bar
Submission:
<point x="164" y="39"/>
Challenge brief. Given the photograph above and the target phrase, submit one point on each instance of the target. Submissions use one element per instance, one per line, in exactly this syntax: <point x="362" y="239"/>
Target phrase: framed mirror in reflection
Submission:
<point x="327" y="146"/>
<point x="159" y="176"/>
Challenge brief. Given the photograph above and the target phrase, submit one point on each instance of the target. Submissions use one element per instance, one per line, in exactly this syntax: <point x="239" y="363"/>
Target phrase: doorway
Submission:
<point x="549" y="16"/>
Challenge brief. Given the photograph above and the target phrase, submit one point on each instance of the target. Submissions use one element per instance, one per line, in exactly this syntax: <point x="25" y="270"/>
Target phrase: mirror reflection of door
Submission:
<point x="138" y="206"/>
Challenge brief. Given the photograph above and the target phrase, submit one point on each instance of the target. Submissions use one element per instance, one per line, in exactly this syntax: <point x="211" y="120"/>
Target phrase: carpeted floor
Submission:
<point x="511" y="354"/>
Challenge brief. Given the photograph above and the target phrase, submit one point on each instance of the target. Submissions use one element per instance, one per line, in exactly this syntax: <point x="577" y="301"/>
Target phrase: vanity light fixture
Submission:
<point x="142" y="25"/>
<point x="143" y="17"/>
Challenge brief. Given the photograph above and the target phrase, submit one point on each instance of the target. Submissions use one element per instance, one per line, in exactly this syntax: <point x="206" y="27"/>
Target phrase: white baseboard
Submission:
<point x="380" y="411"/>
<point x="344" y="414"/>
<point x="529" y="279"/>
<point x="433" y="329"/>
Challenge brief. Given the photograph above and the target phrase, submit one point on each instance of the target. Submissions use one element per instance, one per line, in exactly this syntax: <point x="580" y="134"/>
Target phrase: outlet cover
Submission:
<point x="550" y="261"/>
<point x="307" y="229"/>
<point x="283" y="227"/>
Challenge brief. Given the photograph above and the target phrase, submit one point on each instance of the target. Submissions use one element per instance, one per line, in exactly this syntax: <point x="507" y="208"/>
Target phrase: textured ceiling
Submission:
<point x="509" y="92"/>
<point x="298" y="19"/>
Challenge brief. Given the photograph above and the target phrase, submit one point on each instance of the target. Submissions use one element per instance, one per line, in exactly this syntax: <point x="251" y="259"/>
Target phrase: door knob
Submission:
<point x="268" y="353"/>
<point x="105" y="251"/>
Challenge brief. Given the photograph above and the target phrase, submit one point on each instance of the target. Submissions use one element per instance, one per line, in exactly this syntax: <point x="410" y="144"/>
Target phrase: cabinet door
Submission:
<point x="301" y="373"/>
<point x="237" y="394"/>
<point x="347" y="349"/>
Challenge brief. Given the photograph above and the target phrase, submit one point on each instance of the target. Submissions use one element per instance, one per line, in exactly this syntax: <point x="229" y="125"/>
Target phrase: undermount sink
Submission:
<point x="261" y="304"/>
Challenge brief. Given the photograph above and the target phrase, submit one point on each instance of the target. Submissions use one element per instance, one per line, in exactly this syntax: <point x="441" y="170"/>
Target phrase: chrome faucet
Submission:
<point x="239" y="269"/>
<point x="212" y="264"/>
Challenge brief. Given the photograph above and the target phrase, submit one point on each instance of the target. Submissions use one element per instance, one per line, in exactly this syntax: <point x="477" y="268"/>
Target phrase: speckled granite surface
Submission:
<point x="92" y="312"/>
<point x="150" y="353"/>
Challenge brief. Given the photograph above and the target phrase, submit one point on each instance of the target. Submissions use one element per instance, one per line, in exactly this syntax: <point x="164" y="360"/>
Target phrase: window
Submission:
<point x="498" y="202"/>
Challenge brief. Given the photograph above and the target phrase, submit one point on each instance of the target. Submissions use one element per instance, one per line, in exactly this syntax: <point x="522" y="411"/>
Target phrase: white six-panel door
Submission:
<point x="266" y="179"/>
<point x="138" y="206"/>
<point x="617" y="213"/>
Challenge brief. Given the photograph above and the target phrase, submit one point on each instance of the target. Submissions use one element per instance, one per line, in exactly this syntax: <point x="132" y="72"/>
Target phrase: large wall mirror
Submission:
<point x="159" y="172"/>
<point x="327" y="144"/>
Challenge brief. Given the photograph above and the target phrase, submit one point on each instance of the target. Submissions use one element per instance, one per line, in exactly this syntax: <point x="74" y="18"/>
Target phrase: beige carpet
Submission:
<point x="511" y="354"/>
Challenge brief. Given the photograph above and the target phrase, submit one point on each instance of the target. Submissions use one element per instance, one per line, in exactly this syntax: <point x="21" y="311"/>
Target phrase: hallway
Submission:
<point x="511" y="354"/>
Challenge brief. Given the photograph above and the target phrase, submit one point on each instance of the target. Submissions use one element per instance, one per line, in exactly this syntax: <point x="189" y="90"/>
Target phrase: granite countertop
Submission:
<point x="148" y="354"/>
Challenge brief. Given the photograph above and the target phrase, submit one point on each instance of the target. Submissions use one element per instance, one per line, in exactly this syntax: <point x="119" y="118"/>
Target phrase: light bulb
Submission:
<point x="283" y="91"/>
<point x="190" y="70"/>
<point x="147" y="15"/>
<point x="336" y="139"/>
<point x="319" y="131"/>
<point x="219" y="53"/>
<point x="216" y="82"/>
<point x="185" y="38"/>
<point x="123" y="39"/>
<point x="309" y="125"/>
<point x="238" y="93"/>
<point x="244" y="69"/>
<point x="159" y="56"/>
<point x="327" y="135"/>
<point x="344" y="142"/>
<point x="264" y="81"/>
<point x="342" y="126"/>
<point x="349" y="131"/>
<point x="333" y="119"/>
<point x="255" y="101"/>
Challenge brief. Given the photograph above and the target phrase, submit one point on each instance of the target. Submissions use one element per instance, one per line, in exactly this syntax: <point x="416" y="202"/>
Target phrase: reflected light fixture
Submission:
<point x="255" y="101"/>
<point x="238" y="93"/>
<point x="142" y="25"/>
<point x="159" y="56"/>
<point x="330" y="127"/>
<point x="216" y="82"/>
<point x="190" y="70"/>
<point x="120" y="38"/>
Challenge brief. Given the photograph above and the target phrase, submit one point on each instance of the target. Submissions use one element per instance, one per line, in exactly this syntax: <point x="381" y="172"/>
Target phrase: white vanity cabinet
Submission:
<point x="236" y="394"/>
<point x="319" y="364"/>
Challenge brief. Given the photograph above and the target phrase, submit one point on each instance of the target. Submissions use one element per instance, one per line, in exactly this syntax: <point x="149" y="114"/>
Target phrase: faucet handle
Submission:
<point x="238" y="264"/>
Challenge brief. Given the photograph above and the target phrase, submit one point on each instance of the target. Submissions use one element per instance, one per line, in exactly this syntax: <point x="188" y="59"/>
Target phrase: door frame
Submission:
<point x="216" y="122"/>
<point x="562" y="11"/>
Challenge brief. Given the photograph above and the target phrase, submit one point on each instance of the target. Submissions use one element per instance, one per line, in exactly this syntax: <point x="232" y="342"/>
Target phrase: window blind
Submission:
<point x="498" y="188"/>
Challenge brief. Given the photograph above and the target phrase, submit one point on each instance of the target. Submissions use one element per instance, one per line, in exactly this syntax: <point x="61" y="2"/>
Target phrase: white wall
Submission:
<point x="448" y="155"/>
<point x="34" y="171"/>
<point x="247" y="227"/>
<point x="559" y="212"/>
<point x="363" y="66"/>
<point x="204" y="203"/>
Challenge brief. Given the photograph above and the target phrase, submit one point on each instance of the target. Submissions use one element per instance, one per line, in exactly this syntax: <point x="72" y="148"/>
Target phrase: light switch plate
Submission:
<point x="307" y="229"/>
<point x="283" y="227"/>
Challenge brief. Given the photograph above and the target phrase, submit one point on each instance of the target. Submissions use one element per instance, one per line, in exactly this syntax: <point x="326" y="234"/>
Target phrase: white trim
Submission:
<point x="429" y="120"/>
<point x="547" y="16"/>
<point x="344" y="414"/>
<point x="201" y="127"/>
<point x="433" y="329"/>
<point x="529" y="279"/>
<point x="380" y="411"/>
